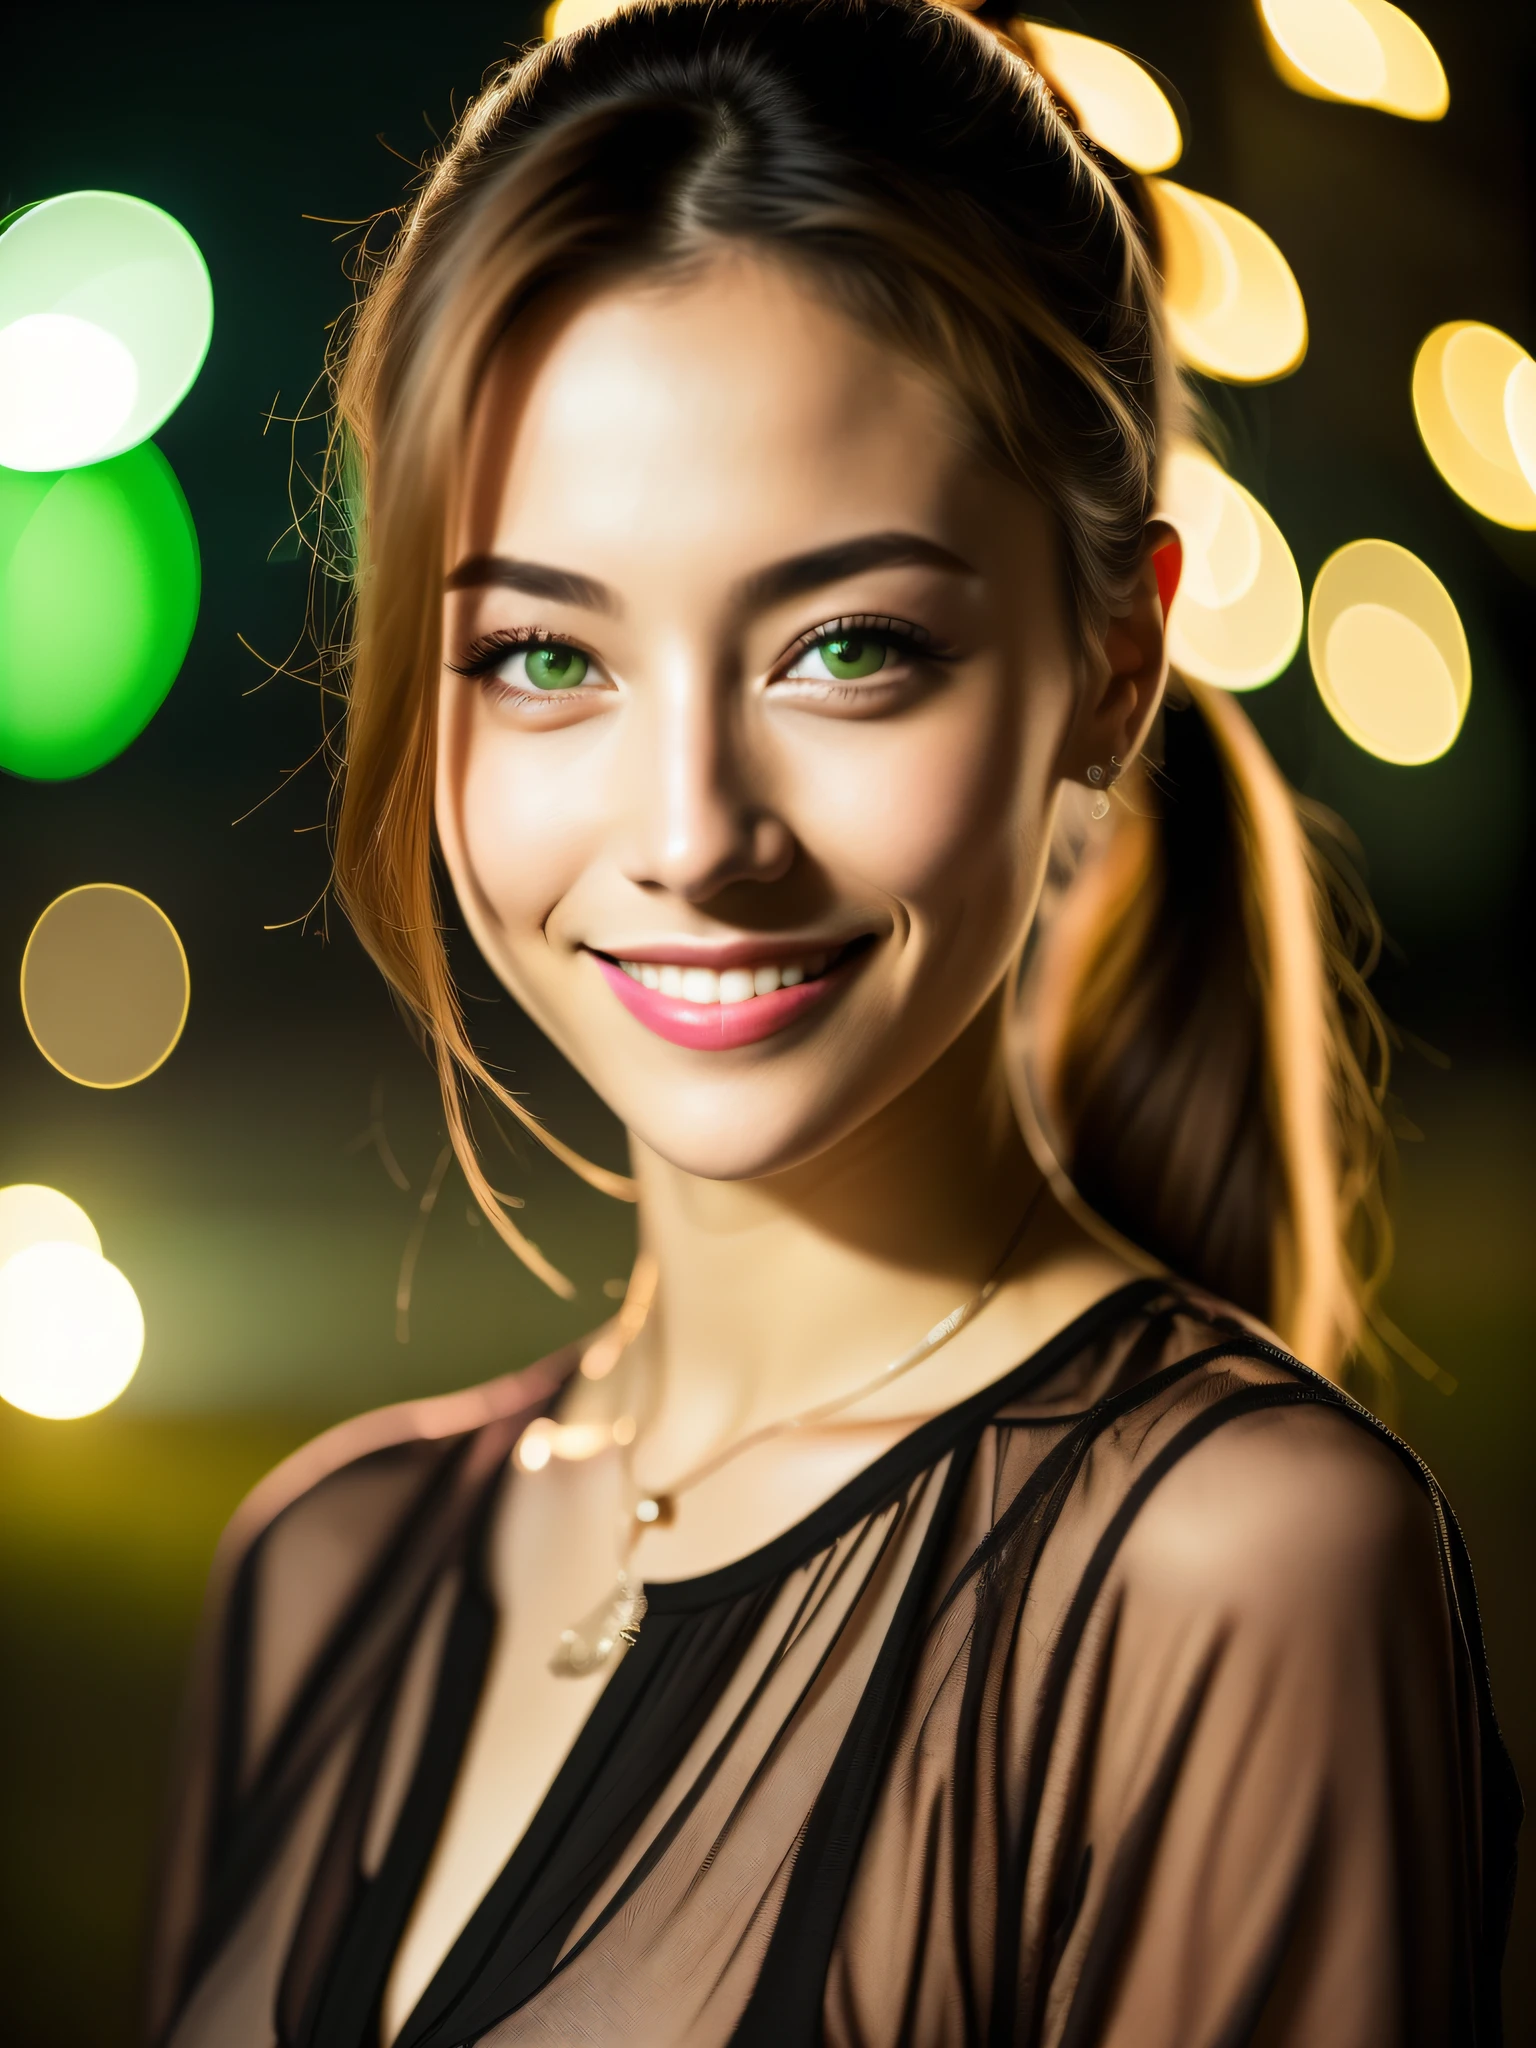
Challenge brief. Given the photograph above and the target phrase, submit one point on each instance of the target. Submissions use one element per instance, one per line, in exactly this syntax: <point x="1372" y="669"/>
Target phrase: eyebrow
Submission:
<point x="780" y="581"/>
<point x="820" y="566"/>
<point x="533" y="579"/>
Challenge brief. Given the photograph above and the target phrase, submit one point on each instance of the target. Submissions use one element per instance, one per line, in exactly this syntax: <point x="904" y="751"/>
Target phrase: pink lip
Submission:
<point x="718" y="1027"/>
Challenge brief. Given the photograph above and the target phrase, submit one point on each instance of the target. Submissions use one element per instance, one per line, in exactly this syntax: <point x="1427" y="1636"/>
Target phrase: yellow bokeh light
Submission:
<point x="1237" y="619"/>
<point x="566" y="16"/>
<point x="1326" y="46"/>
<point x="535" y="1447"/>
<point x="572" y="1442"/>
<point x="1235" y="310"/>
<point x="105" y="985"/>
<point x="1520" y="416"/>
<point x="31" y="1214"/>
<point x="1416" y="86"/>
<point x="1366" y="52"/>
<point x="1462" y="377"/>
<point x="1120" y="104"/>
<point x="1389" y="653"/>
<point x="71" y="1331"/>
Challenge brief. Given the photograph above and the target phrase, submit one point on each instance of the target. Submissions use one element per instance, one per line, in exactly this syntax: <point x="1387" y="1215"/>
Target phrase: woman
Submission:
<point x="756" y="429"/>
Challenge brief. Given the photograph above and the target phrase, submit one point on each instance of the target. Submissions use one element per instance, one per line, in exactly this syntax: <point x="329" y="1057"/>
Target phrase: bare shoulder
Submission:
<point x="1302" y="1508"/>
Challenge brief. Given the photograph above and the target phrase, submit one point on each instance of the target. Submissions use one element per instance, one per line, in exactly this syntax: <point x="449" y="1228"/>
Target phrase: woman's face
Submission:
<point x="758" y="687"/>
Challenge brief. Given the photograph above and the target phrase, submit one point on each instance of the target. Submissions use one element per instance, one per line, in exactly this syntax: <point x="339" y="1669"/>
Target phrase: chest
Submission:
<point x="555" y="1551"/>
<point x="693" y="1847"/>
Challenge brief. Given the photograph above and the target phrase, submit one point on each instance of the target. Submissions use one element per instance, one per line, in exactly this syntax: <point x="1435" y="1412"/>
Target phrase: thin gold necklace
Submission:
<point x="617" y="1619"/>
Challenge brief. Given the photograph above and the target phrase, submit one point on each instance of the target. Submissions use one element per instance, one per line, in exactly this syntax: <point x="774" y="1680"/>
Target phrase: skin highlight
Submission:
<point x="695" y="485"/>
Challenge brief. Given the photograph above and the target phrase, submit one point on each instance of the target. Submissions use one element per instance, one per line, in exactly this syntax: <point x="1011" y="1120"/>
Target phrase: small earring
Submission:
<point x="1095" y="774"/>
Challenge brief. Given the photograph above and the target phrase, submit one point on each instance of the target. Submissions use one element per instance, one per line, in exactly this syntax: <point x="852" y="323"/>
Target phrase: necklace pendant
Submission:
<point x="589" y="1645"/>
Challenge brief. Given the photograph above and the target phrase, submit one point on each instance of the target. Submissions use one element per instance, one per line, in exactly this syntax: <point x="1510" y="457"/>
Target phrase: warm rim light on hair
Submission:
<point x="1364" y="52"/>
<point x="1119" y="102"/>
<point x="71" y="1331"/>
<point x="1238" y="616"/>
<point x="1233" y="305"/>
<point x="1463" y="376"/>
<point x="565" y="17"/>
<point x="1389" y="653"/>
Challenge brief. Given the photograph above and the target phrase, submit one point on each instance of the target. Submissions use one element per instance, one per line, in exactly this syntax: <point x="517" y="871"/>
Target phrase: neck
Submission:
<point x="782" y="1292"/>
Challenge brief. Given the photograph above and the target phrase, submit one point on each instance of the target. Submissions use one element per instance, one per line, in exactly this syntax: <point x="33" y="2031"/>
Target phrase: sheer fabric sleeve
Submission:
<point x="318" y="1584"/>
<point x="1281" y="1801"/>
<point x="290" y="1561"/>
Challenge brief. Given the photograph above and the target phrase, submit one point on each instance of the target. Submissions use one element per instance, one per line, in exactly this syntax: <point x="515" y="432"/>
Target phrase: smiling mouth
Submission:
<point x="716" y="1009"/>
<point x="732" y="984"/>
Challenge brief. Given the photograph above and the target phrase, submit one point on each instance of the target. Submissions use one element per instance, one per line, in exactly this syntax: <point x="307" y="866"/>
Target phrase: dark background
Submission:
<point x="265" y="1239"/>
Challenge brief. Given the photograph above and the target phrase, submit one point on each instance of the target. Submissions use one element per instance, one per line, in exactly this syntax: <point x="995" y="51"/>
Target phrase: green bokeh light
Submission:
<point x="108" y="268"/>
<point x="99" y="588"/>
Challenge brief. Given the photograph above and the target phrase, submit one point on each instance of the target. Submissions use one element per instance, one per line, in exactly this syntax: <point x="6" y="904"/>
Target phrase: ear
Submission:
<point x="1127" y="670"/>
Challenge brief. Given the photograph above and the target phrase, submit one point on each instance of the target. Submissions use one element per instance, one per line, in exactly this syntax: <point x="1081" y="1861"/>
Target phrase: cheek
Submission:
<point x="523" y="825"/>
<point x="936" y="811"/>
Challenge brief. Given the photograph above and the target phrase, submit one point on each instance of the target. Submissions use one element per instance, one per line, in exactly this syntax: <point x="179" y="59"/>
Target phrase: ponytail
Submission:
<point x="1208" y="1060"/>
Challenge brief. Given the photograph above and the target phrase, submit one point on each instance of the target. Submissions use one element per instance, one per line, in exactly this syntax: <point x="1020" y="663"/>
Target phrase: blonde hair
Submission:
<point x="919" y="168"/>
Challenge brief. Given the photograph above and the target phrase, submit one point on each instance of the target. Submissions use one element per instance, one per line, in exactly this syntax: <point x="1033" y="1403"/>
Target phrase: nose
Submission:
<point x="702" y="820"/>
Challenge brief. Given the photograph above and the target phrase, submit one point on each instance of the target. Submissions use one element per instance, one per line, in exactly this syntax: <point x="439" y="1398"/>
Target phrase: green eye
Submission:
<point x="851" y="656"/>
<point x="555" y="667"/>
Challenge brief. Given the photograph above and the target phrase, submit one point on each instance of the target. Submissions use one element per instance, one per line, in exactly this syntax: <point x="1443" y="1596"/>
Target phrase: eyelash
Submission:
<point x="486" y="654"/>
<point x="914" y="642"/>
<point x="899" y="632"/>
<point x="489" y="653"/>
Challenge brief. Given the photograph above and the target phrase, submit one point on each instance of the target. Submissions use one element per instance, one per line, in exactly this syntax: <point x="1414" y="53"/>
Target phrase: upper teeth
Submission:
<point x="735" y="985"/>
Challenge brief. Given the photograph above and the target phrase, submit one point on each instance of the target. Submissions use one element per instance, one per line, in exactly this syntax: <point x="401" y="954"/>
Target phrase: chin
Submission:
<point x="731" y="1133"/>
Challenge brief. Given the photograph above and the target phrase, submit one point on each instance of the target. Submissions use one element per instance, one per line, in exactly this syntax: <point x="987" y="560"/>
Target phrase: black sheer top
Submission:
<point x="1138" y="1700"/>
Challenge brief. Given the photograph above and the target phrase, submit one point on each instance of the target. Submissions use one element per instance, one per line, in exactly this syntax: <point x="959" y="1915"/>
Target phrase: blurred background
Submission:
<point x="264" y="1189"/>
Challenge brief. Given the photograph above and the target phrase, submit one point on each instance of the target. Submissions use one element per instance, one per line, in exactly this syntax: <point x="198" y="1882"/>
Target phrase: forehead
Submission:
<point x="739" y="401"/>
